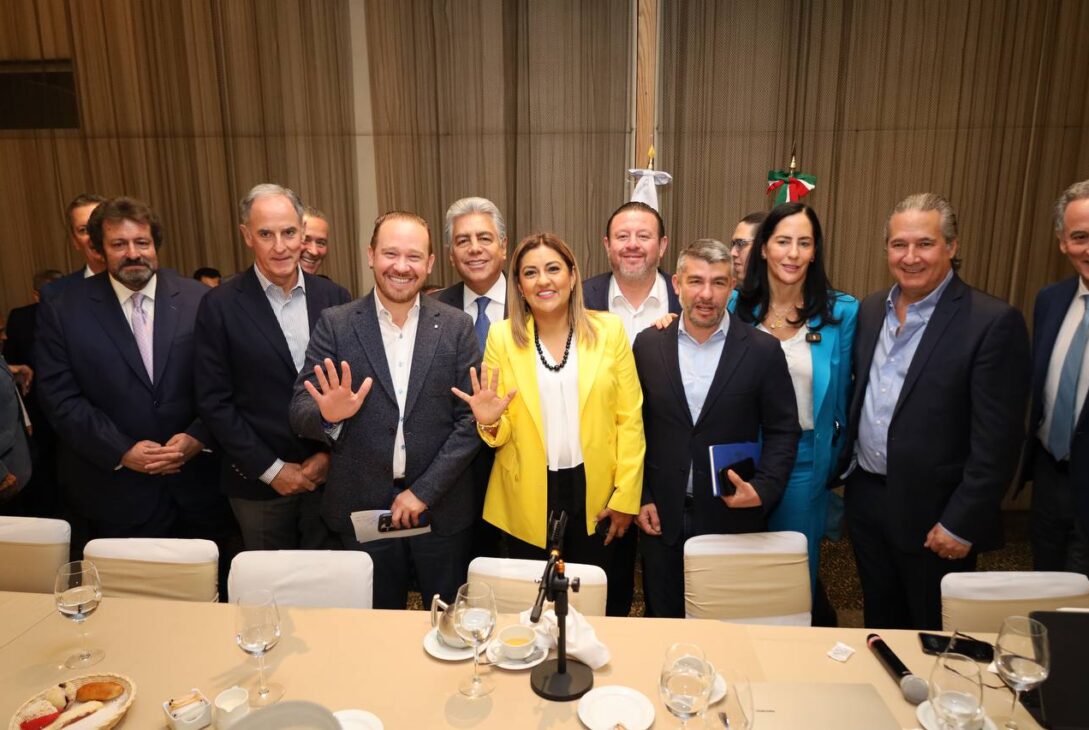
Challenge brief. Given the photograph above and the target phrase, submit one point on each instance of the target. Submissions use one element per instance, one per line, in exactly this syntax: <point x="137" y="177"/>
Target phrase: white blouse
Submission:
<point x="559" y="394"/>
<point x="799" y="357"/>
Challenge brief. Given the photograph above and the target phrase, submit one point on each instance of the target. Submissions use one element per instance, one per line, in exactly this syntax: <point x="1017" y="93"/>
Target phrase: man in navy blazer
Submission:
<point x="936" y="420"/>
<point x="401" y="441"/>
<point x="251" y="340"/>
<point x="1057" y="454"/>
<point x="76" y="216"/>
<point x="115" y="377"/>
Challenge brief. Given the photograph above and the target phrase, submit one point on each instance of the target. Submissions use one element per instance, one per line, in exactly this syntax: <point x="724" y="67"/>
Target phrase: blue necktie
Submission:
<point x="1064" y="414"/>
<point x="483" y="323"/>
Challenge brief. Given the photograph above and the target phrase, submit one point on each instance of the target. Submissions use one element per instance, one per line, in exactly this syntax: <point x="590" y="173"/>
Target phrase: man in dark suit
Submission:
<point x="115" y="377"/>
<point x="76" y="216"/>
<point x="476" y="241"/>
<point x="937" y="420"/>
<point x="1057" y="453"/>
<point x="707" y="379"/>
<point x="637" y="291"/>
<point x="251" y="342"/>
<point x="402" y="441"/>
<point x="15" y="465"/>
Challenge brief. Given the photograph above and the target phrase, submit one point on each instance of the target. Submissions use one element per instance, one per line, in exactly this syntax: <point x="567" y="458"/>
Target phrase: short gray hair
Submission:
<point x="466" y="206"/>
<point x="711" y="250"/>
<point x="312" y="212"/>
<point x="926" y="202"/>
<point x="265" y="190"/>
<point x="1077" y="191"/>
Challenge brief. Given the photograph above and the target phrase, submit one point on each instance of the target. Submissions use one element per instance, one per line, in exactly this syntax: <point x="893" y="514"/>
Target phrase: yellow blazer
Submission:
<point x="610" y="431"/>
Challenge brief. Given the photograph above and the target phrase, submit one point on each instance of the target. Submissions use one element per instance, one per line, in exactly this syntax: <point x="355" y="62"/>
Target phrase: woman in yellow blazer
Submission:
<point x="568" y="430"/>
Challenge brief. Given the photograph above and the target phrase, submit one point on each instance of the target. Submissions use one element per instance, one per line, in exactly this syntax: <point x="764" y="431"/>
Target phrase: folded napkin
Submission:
<point x="582" y="641"/>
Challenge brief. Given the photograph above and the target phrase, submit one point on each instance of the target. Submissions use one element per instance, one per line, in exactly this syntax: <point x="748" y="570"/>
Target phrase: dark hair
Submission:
<point x="44" y="277"/>
<point x="636" y="205"/>
<point x="207" y="272"/>
<point x="122" y="209"/>
<point x="754" y="296"/>
<point x="78" y="202"/>
<point x="755" y="218"/>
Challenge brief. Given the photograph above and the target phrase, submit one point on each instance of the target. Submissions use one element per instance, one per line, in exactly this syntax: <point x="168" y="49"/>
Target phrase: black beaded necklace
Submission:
<point x="566" y="350"/>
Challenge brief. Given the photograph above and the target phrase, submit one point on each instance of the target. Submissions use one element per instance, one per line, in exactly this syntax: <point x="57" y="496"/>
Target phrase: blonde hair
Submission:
<point x="577" y="316"/>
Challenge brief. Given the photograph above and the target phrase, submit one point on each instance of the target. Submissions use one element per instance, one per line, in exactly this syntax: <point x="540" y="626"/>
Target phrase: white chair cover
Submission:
<point x="322" y="578"/>
<point x="756" y="578"/>
<point x="156" y="567"/>
<point x="979" y="601"/>
<point x="514" y="583"/>
<point x="31" y="550"/>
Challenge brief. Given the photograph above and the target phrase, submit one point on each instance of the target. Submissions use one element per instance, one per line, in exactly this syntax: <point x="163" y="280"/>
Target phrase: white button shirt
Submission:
<point x="124" y="297"/>
<point x="637" y="319"/>
<point x="399" y="343"/>
<point x="496" y="306"/>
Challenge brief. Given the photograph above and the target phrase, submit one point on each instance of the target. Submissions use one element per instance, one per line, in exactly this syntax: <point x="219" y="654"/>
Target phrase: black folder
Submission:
<point x="1062" y="701"/>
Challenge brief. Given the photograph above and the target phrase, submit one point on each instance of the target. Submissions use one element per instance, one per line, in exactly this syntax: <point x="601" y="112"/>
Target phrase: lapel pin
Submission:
<point x="812" y="337"/>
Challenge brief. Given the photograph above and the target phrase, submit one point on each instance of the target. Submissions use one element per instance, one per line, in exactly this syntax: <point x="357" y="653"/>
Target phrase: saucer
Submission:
<point x="434" y="646"/>
<point x="924" y="713"/>
<point x="718" y="689"/>
<point x="495" y="656"/>
<point x="358" y="720"/>
<point x="603" y="708"/>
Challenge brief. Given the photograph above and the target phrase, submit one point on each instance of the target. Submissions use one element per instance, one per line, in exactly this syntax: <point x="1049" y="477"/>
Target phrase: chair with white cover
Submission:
<point x="755" y="578"/>
<point x="318" y="578"/>
<point x="514" y="583"/>
<point x="979" y="601"/>
<point x="31" y="550"/>
<point x="156" y="567"/>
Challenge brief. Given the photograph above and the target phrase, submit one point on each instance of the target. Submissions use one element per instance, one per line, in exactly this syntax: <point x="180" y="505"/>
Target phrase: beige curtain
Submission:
<point x="984" y="101"/>
<point x="184" y="104"/>
<point x="525" y="103"/>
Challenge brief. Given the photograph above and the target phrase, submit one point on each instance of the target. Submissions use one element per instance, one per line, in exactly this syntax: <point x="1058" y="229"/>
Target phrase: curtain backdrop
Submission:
<point x="185" y="104"/>
<point x="984" y="101"/>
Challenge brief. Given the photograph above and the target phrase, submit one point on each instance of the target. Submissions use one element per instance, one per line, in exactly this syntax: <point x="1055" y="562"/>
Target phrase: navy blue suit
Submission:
<point x="95" y="390"/>
<point x="595" y="292"/>
<point x="55" y="288"/>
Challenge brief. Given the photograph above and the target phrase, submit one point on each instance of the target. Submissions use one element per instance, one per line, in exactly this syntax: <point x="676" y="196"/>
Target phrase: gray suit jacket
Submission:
<point x="440" y="434"/>
<point x="14" y="452"/>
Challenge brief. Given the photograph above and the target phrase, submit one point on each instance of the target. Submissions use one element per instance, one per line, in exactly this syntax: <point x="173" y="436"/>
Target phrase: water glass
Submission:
<point x="474" y="622"/>
<point x="686" y="681"/>
<point x="257" y="631"/>
<point x="1023" y="657"/>
<point x="956" y="692"/>
<point x="78" y="591"/>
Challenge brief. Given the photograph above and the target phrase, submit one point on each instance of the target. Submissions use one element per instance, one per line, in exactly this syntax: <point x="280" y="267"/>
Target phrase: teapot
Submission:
<point x="442" y="618"/>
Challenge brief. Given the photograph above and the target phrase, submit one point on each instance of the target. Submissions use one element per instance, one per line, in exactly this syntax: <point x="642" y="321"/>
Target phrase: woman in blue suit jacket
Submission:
<point x="787" y="294"/>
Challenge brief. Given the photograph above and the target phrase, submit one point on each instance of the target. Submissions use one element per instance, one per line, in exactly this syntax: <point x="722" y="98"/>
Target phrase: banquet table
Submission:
<point x="374" y="660"/>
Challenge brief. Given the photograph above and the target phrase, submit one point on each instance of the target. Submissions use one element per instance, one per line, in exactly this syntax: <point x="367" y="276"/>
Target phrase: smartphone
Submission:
<point x="385" y="522"/>
<point x="745" y="468"/>
<point x="602" y="527"/>
<point x="973" y="648"/>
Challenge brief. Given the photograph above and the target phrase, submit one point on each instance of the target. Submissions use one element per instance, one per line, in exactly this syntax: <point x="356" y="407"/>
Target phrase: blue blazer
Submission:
<point x="831" y="384"/>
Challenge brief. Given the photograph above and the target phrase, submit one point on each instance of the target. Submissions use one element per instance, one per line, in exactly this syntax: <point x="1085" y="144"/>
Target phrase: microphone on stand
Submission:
<point x="557" y="526"/>
<point x="915" y="689"/>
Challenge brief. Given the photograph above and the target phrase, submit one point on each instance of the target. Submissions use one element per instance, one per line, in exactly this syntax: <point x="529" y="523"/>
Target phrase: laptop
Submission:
<point x="1062" y="701"/>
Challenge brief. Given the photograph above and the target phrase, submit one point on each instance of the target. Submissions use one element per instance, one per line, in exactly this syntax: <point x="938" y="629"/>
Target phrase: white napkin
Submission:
<point x="582" y="641"/>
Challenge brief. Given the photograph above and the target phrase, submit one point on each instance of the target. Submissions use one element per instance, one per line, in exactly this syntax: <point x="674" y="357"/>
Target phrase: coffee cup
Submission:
<point x="517" y="642"/>
<point x="231" y="706"/>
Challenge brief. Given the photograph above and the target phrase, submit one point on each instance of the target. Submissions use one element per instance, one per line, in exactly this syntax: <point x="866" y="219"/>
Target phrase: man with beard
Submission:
<point x="736" y="388"/>
<point x="377" y="387"/>
<point x="75" y="220"/>
<point x="315" y="240"/>
<point x="115" y="378"/>
<point x="640" y="294"/>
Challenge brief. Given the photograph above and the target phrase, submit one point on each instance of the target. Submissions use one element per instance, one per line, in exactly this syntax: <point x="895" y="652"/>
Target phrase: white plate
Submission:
<point x="924" y="713"/>
<point x="435" y="647"/>
<point x="497" y="659"/>
<point x="718" y="689"/>
<point x="603" y="707"/>
<point x="358" y="720"/>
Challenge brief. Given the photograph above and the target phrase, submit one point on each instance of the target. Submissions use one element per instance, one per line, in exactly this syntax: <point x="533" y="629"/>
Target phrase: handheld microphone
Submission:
<point x="915" y="689"/>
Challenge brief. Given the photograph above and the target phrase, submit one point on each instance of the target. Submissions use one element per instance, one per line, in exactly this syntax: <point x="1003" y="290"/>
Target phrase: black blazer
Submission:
<point x="21" y="328"/>
<point x="1051" y="305"/>
<point x="245" y="377"/>
<point x="751" y="397"/>
<point x="55" y="288"/>
<point x="595" y="292"/>
<point x="95" y="390"/>
<point x="957" y="429"/>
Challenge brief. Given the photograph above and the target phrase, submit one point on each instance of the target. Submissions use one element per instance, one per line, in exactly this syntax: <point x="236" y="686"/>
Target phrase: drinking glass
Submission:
<point x="739" y="703"/>
<point x="78" y="591"/>
<point x="257" y="630"/>
<point x="1022" y="656"/>
<point x="474" y="620"/>
<point x="956" y="692"/>
<point x="686" y="681"/>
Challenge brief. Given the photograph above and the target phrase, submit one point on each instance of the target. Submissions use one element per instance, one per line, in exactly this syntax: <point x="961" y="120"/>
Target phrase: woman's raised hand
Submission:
<point x="485" y="401"/>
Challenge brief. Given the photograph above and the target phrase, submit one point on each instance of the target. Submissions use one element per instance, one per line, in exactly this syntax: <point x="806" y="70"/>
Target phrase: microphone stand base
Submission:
<point x="550" y="684"/>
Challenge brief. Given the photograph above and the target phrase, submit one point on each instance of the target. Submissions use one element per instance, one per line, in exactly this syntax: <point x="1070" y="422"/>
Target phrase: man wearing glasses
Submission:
<point x="741" y="242"/>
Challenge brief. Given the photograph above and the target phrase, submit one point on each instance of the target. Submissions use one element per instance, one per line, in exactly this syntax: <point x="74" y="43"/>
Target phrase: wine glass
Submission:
<point x="474" y="620"/>
<point x="686" y="681"/>
<point x="78" y="592"/>
<point x="257" y="630"/>
<point x="956" y="692"/>
<point x="739" y="703"/>
<point x="1022" y="656"/>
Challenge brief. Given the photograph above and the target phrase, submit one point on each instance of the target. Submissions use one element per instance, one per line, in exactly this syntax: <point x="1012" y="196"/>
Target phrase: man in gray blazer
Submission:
<point x="400" y="441"/>
<point x="14" y="452"/>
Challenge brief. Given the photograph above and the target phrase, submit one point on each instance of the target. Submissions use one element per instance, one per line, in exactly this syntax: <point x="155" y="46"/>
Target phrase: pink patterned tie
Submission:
<point x="141" y="329"/>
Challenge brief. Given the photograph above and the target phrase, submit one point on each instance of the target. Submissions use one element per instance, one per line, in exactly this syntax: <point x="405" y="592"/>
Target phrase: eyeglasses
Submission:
<point x="952" y="647"/>
<point x="740" y="243"/>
